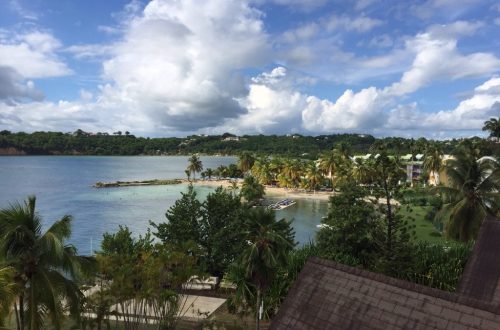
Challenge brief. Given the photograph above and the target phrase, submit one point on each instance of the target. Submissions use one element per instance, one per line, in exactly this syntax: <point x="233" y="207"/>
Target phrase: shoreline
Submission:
<point x="270" y="191"/>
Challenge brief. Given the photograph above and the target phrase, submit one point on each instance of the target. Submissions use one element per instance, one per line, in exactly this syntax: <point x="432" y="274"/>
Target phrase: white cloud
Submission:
<point x="181" y="60"/>
<point x="470" y="113"/>
<point x="358" y="24"/>
<point x="302" y="5"/>
<point x="272" y="103"/>
<point x="362" y="110"/>
<point x="451" y="9"/>
<point x="33" y="55"/>
<point x="438" y="58"/>
<point x="13" y="89"/>
<point x="303" y="32"/>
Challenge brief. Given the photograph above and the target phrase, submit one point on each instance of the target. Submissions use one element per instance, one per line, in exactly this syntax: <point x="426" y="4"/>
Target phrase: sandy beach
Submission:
<point x="271" y="191"/>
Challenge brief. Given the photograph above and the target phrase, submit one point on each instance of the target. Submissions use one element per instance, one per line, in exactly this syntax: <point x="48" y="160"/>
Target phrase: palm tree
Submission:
<point x="188" y="174"/>
<point x="329" y="164"/>
<point x="493" y="126"/>
<point x="292" y="172"/>
<point x="7" y="292"/>
<point x="362" y="171"/>
<point x="471" y="192"/>
<point x="222" y="170"/>
<point x="269" y="242"/>
<point x="245" y="161"/>
<point x="210" y="173"/>
<point x="433" y="161"/>
<point x="313" y="176"/>
<point x="262" y="171"/>
<point x="46" y="269"/>
<point x="195" y="165"/>
<point x="252" y="190"/>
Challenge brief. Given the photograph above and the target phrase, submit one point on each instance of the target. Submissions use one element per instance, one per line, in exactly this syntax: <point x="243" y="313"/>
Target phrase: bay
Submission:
<point x="63" y="185"/>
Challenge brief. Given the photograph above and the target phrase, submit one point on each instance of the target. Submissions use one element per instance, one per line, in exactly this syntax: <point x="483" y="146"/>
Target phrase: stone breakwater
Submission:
<point x="136" y="183"/>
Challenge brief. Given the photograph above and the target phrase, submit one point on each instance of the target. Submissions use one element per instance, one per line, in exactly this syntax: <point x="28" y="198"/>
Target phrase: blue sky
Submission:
<point x="173" y="68"/>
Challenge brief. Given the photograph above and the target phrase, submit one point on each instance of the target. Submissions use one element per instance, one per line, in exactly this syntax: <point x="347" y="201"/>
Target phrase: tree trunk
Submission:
<point x="389" y="218"/>
<point x="257" y="323"/>
<point x="18" y="325"/>
<point x="21" y="310"/>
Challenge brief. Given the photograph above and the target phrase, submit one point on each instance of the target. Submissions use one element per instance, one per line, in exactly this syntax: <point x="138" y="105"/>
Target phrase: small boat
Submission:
<point x="283" y="204"/>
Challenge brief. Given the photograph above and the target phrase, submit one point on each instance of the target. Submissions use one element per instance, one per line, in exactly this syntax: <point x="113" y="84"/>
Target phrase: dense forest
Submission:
<point x="118" y="143"/>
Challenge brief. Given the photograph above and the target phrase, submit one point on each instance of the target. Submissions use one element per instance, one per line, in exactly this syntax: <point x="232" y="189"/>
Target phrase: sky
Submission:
<point x="179" y="67"/>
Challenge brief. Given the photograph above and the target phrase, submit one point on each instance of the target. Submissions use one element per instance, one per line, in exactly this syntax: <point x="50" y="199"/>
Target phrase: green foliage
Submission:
<point x="252" y="190"/>
<point x="182" y="220"/>
<point x="348" y="229"/>
<point x="438" y="266"/>
<point x="46" y="269"/>
<point x="195" y="166"/>
<point x="493" y="126"/>
<point x="215" y="226"/>
<point x="141" y="278"/>
<point x="269" y="243"/>
<point x="221" y="231"/>
<point x="471" y="192"/>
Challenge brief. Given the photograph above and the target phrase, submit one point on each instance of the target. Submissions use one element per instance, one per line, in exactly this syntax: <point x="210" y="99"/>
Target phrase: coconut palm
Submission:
<point x="46" y="269"/>
<point x="471" y="192"/>
<point x="313" y="176"/>
<point x="209" y="173"/>
<point x="362" y="171"/>
<point x="7" y="292"/>
<point x="195" y="165"/>
<point x="433" y="161"/>
<point x="493" y="126"/>
<point x="269" y="242"/>
<point x="261" y="169"/>
<point x="329" y="163"/>
<point x="251" y="189"/>
<point x="291" y="172"/>
<point x="245" y="161"/>
<point x="188" y="174"/>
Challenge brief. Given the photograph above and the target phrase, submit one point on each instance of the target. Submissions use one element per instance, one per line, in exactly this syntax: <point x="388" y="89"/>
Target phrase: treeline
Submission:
<point x="83" y="143"/>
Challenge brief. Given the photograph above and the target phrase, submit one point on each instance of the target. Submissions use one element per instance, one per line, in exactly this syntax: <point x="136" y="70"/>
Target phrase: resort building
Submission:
<point x="329" y="295"/>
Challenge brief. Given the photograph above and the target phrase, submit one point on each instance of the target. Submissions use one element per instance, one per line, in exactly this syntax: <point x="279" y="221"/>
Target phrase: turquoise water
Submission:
<point x="63" y="185"/>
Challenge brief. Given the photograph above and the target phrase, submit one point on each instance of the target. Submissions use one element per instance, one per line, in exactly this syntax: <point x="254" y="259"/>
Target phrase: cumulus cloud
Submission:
<point x="33" y="54"/>
<point x="273" y="105"/>
<point x="437" y="58"/>
<point x="12" y="88"/>
<point x="181" y="60"/>
<point x="362" y="110"/>
<point x="470" y="113"/>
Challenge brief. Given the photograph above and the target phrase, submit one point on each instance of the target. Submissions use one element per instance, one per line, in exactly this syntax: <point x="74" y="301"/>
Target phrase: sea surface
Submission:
<point x="63" y="185"/>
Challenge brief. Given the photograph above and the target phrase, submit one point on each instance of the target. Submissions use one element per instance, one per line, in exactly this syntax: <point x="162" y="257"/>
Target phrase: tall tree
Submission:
<point x="195" y="165"/>
<point x="493" y="126"/>
<point x="46" y="268"/>
<point x="252" y="190"/>
<point x="269" y="242"/>
<point x="245" y="161"/>
<point x="183" y="220"/>
<point x="313" y="176"/>
<point x="395" y="236"/>
<point x="433" y="160"/>
<point x="221" y="231"/>
<point x="471" y="192"/>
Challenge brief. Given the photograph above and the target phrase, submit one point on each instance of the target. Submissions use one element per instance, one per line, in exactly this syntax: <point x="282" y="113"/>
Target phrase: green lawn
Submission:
<point x="424" y="229"/>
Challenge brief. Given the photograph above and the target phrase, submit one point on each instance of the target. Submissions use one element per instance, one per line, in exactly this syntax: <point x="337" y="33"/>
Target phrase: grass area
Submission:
<point x="424" y="229"/>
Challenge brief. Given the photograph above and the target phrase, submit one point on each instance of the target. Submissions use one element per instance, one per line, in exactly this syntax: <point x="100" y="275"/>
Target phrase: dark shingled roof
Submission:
<point x="480" y="278"/>
<point x="329" y="295"/>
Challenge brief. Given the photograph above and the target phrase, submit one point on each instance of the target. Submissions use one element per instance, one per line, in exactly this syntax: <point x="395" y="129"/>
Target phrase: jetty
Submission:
<point x="136" y="183"/>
